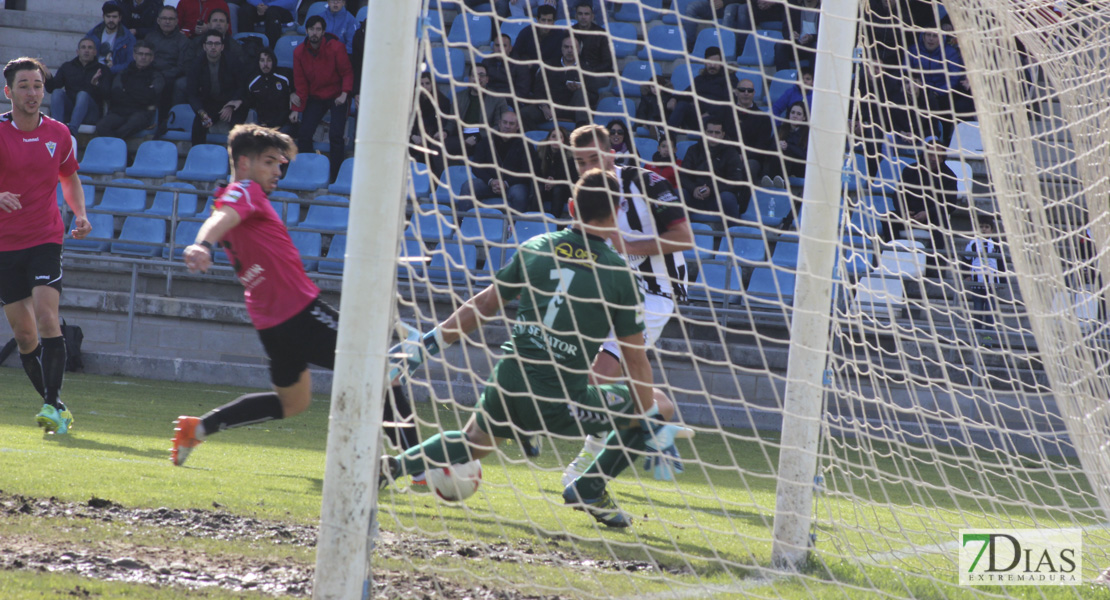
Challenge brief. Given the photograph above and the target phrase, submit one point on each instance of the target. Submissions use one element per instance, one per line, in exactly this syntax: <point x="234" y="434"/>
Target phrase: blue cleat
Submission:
<point x="53" y="420"/>
<point x="603" y="509"/>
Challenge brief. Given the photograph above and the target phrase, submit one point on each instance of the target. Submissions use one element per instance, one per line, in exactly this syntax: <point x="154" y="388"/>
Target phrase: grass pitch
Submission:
<point x="705" y="536"/>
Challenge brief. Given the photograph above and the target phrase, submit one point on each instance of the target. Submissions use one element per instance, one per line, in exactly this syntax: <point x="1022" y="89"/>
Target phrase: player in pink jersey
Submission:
<point x="36" y="154"/>
<point x="296" y="328"/>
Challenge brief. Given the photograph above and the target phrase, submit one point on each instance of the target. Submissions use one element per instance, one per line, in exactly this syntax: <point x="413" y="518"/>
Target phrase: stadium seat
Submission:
<point x="104" y="156"/>
<point x="889" y="177"/>
<point x="678" y="7"/>
<point x="244" y="35"/>
<point x="179" y="124"/>
<point x="408" y="264"/>
<point x="478" y="228"/>
<point x="287" y="205"/>
<point x="625" y="39"/>
<point x="856" y="257"/>
<point x="719" y="280"/>
<point x="475" y="30"/>
<point x="185" y="235"/>
<point x="432" y="228"/>
<point x="361" y="15"/>
<point x="763" y="203"/>
<point x="664" y="42"/>
<point x="123" y="200"/>
<point x="759" y="49"/>
<point x="316" y="8"/>
<point x="786" y="252"/>
<point x="781" y="82"/>
<point x="513" y="27"/>
<point x="448" y="64"/>
<point x="344" y="179"/>
<point x="421" y="180"/>
<point x="877" y="205"/>
<point x="635" y="73"/>
<point x="103" y="227"/>
<point x="614" y="107"/>
<point x="964" y="177"/>
<point x="141" y="229"/>
<point x="705" y="243"/>
<point x="863" y="223"/>
<point x="536" y="135"/>
<point x="283" y="50"/>
<point x="748" y="246"/>
<point x="327" y="218"/>
<point x="879" y="296"/>
<point x="526" y="230"/>
<point x="756" y="78"/>
<point x="775" y="285"/>
<point x="681" y="148"/>
<point x="310" y="245"/>
<point x="451" y="263"/>
<point x="154" y="159"/>
<point x="902" y="259"/>
<point x="719" y="37"/>
<point x="854" y="174"/>
<point x="645" y="147"/>
<point x="205" y="162"/>
<point x="682" y="77"/>
<point x="967" y="141"/>
<point x="335" y="257"/>
<point x="163" y="200"/>
<point x="644" y="11"/>
<point x="451" y="182"/>
<point x="90" y="196"/>
<point x="306" y="173"/>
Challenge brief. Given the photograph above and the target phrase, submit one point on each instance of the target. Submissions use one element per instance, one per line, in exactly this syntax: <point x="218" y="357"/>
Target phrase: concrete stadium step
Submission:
<point x="63" y="7"/>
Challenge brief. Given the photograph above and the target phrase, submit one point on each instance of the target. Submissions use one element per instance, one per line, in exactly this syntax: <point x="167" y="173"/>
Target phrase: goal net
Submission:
<point x="962" y="377"/>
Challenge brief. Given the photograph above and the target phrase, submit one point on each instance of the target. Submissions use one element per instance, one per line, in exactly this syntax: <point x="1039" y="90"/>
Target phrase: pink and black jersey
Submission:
<point x="30" y="164"/>
<point x="265" y="259"/>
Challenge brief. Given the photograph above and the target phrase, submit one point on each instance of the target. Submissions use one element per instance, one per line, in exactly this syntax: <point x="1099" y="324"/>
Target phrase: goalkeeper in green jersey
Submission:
<point x="573" y="289"/>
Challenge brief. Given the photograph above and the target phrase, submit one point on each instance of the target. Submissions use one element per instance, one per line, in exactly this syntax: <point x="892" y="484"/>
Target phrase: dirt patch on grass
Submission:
<point x="119" y="560"/>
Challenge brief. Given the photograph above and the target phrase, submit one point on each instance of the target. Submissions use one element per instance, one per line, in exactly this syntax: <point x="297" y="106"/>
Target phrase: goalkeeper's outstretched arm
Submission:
<point x="470" y="315"/>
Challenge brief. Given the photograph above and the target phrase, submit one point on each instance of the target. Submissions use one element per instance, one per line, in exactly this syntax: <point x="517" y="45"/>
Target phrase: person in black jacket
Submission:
<point x="172" y="56"/>
<point x="656" y="103"/>
<point x="139" y="15"/>
<point x="557" y="171"/>
<point x="597" y="48"/>
<point x="134" y="96"/>
<point x="799" y="28"/>
<point x="793" y="143"/>
<point x="506" y="76"/>
<point x="503" y="167"/>
<point x="927" y="195"/>
<point x="712" y="85"/>
<point x="215" y="89"/>
<point x="541" y="41"/>
<point x="431" y="127"/>
<point x="752" y="127"/>
<point x="79" y="88"/>
<point x="268" y="94"/>
<point x="713" y="177"/>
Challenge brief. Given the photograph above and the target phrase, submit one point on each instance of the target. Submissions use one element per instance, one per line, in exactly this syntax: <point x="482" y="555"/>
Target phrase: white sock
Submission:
<point x="200" y="433"/>
<point x="594" y="445"/>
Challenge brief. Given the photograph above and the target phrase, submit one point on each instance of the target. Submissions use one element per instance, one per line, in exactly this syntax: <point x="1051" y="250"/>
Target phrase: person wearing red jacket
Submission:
<point x="192" y="15"/>
<point x="323" y="79"/>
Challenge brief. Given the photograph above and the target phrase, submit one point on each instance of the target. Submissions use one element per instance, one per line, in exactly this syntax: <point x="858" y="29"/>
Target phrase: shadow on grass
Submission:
<point x="77" y="442"/>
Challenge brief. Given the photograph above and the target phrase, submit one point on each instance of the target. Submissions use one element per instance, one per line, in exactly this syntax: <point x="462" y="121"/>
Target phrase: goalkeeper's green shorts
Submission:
<point x="509" y="407"/>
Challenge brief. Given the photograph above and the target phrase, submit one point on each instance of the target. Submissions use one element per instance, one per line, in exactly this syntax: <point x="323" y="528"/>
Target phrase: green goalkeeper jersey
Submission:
<point x="573" y="289"/>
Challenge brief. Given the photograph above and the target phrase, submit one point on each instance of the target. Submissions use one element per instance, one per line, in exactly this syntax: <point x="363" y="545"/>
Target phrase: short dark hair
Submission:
<point x="805" y="71"/>
<point x="590" y="134"/>
<point x="596" y="195"/>
<point x="219" y="10"/>
<point x="110" y="7"/>
<point x="313" y="20"/>
<point x="90" y="39"/>
<point x="215" y="34"/>
<point x="24" y="63"/>
<point x="144" y="44"/>
<point x="584" y="3"/>
<point x="545" y="10"/>
<point x="252" y="139"/>
<point x="173" y="8"/>
<point x="714" y="120"/>
<point x="267" y="52"/>
<point x="986" y="220"/>
<point x="711" y="51"/>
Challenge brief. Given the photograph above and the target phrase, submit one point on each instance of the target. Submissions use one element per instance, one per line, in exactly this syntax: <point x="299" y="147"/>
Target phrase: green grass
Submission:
<point x="708" y="535"/>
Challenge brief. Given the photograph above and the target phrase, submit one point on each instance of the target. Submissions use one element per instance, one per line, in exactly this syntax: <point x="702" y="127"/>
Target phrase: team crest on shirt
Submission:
<point x="279" y="87"/>
<point x="50" y="147"/>
<point x="232" y="195"/>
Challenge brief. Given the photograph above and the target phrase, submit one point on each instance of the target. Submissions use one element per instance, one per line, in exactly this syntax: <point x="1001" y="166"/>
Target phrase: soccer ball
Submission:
<point x="456" y="482"/>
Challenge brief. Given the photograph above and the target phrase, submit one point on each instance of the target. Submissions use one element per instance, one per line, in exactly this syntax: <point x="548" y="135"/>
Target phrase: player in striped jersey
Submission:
<point x="654" y="232"/>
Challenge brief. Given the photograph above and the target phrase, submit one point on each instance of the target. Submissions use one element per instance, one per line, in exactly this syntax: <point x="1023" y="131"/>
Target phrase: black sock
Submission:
<point x="244" y="410"/>
<point x="397" y="408"/>
<point x="32" y="365"/>
<point x="53" y="368"/>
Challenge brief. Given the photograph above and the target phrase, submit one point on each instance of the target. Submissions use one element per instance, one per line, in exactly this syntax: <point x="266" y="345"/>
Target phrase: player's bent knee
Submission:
<point x="666" y="406"/>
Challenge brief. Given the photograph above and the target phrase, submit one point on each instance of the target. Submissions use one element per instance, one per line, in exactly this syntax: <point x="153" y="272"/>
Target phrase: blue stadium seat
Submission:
<point x="761" y="205"/>
<point x="163" y="200"/>
<point x="775" y="285"/>
<point x="678" y="7"/>
<point x="310" y="245"/>
<point x="316" y="8"/>
<point x="103" y="229"/>
<point x="123" y="200"/>
<point x="645" y="147"/>
<point x="781" y="82"/>
<point x="759" y="50"/>
<point x="625" y="38"/>
<point x="683" y="75"/>
<point x="877" y="205"/>
<point x="150" y="234"/>
<point x="475" y="30"/>
<point x="283" y="50"/>
<point x="205" y="162"/>
<point x="154" y="159"/>
<point x="705" y="243"/>
<point x="104" y="156"/>
<point x="452" y="262"/>
<point x="185" y="235"/>
<point x="179" y="124"/>
<point x="863" y="224"/>
<point x="756" y="78"/>
<point x="408" y="264"/>
<point x="664" y="42"/>
<point x="451" y="182"/>
<point x="856" y="257"/>
<point x="361" y="15"/>
<point x="432" y="228"/>
<point x="538" y="135"/>
<point x="719" y="280"/>
<point x="448" y="64"/>
<point x="421" y="180"/>
<point x="244" y="35"/>
<point x="889" y="177"/>
<point x="748" y="245"/>
<point x="287" y="204"/>
<point x="636" y="73"/>
<point x="90" y="196"/>
<point x="854" y="175"/>
<point x="614" y="107"/>
<point x="327" y="218"/>
<point x="786" y="252"/>
<point x="719" y="37"/>
<point x="306" y="173"/>
<point x="513" y="27"/>
<point x="681" y="147"/>
<point x="343" y="180"/>
<point x="335" y="257"/>
<point x="525" y="230"/>
<point x="644" y="11"/>
<point x="477" y="228"/>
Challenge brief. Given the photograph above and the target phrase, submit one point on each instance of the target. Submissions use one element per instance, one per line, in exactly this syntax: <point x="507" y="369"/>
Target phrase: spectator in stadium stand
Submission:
<point x="339" y="22"/>
<point x="503" y="168"/>
<point x="518" y="9"/>
<point x="713" y="177"/>
<point x="731" y="14"/>
<point x="620" y="143"/>
<point x="219" y="21"/>
<point x="597" y="48"/>
<point x="664" y="163"/>
<point x="216" y="89"/>
<point x="272" y="14"/>
<point x="800" y="29"/>
<point x="926" y="195"/>
<point x="173" y="53"/>
<point x="476" y="110"/>
<point x="139" y="16"/>
<point x="193" y="15"/>
<point x="506" y="76"/>
<point x="915" y="111"/>
<point x="885" y="28"/>
<point x="710" y="84"/>
<point x="984" y="270"/>
<point x="323" y="81"/>
<point x="134" y="96"/>
<point x="115" y="43"/>
<point x="568" y="90"/>
<point x="540" y="42"/>
<point x="557" y="171"/>
<point x="656" y="104"/>
<point x="430" y="129"/>
<point x="793" y="137"/>
<point x="766" y="11"/>
<point x="79" y="88"/>
<point x="752" y="127"/>
<point x="963" y="102"/>
<point x="799" y="92"/>
<point x="940" y="65"/>
<point x="268" y="94"/>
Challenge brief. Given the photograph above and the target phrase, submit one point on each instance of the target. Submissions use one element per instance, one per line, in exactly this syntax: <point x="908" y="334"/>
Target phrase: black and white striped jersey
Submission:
<point x="648" y="208"/>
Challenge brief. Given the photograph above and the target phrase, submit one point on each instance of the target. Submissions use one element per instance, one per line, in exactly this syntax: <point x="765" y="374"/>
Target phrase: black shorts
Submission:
<point x="21" y="270"/>
<point x="308" y="337"/>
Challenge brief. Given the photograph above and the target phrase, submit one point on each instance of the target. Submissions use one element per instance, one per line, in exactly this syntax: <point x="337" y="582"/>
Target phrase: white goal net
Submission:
<point x="962" y="381"/>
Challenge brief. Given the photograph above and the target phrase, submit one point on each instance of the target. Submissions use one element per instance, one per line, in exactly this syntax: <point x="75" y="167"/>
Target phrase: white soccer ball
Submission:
<point x="456" y="482"/>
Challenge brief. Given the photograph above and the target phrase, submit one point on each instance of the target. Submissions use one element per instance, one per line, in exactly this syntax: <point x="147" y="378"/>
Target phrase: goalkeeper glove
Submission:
<point x="405" y="357"/>
<point x="664" y="465"/>
<point x="662" y="435"/>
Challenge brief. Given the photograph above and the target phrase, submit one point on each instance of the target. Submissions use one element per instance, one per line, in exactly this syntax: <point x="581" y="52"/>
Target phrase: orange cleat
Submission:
<point x="184" y="439"/>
